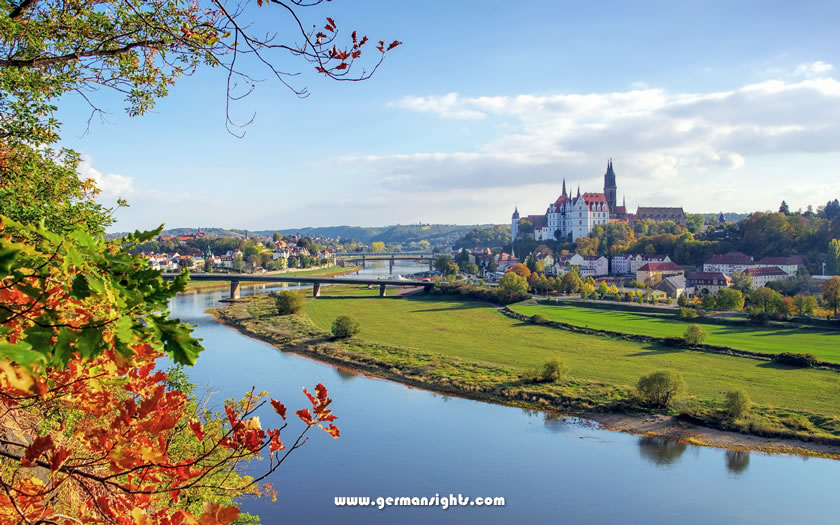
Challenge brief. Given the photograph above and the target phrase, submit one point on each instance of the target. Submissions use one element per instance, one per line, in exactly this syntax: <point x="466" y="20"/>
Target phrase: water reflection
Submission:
<point x="737" y="462"/>
<point x="660" y="451"/>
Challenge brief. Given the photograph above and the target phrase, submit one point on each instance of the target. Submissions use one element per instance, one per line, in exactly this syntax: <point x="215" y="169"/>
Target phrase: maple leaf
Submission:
<point x="58" y="458"/>
<point x="195" y="426"/>
<point x="40" y="445"/>
<point x="279" y="408"/>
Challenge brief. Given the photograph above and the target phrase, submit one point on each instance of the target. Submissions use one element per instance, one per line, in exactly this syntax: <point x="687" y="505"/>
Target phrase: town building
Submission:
<point x="587" y="265"/>
<point x="628" y="264"/>
<point x="706" y="283"/>
<point x="673" y="286"/>
<point x="728" y="263"/>
<point x="652" y="273"/>
<point x="766" y="274"/>
<point x="661" y="214"/>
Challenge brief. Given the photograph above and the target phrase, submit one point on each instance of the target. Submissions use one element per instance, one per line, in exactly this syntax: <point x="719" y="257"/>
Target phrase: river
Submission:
<point x="400" y="441"/>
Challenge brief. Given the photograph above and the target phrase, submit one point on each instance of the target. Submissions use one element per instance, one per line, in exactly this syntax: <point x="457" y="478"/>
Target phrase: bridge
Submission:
<point x="363" y="257"/>
<point x="237" y="278"/>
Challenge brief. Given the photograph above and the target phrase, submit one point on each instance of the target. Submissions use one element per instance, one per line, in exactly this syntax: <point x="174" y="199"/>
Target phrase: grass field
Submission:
<point x="825" y="344"/>
<point x="475" y="332"/>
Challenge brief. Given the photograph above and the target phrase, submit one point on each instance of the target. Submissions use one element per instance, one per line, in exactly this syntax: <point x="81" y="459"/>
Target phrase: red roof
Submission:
<point x="767" y="270"/>
<point x="660" y="267"/>
<point x="621" y="210"/>
<point x="730" y="258"/>
<point x="560" y="201"/>
<point x="707" y="276"/>
<point x="793" y="259"/>
<point x="594" y="197"/>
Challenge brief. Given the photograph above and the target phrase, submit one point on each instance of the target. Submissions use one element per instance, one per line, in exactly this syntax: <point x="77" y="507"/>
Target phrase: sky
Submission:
<point x="488" y="105"/>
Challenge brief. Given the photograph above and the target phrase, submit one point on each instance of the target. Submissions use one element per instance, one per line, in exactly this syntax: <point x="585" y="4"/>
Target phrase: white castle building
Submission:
<point x="572" y="217"/>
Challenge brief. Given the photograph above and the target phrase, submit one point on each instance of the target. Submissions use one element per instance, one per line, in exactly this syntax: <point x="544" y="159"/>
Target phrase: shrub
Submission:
<point x="797" y="422"/>
<point x="738" y="403"/>
<point x="289" y="302"/>
<point x="661" y="387"/>
<point x="795" y="359"/>
<point x="344" y="326"/>
<point x="539" y="319"/>
<point x="694" y="335"/>
<point x="553" y="370"/>
<point x="688" y="313"/>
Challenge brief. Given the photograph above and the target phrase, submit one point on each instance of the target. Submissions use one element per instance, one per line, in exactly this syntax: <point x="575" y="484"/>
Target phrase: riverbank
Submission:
<point x="323" y="271"/>
<point x="481" y="376"/>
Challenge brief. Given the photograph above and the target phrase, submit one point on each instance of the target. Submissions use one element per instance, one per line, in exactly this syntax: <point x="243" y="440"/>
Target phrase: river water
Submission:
<point x="399" y="441"/>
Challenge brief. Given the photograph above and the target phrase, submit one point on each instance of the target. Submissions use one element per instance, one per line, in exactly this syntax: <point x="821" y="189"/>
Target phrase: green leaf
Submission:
<point x="178" y="342"/>
<point x="21" y="353"/>
<point x="7" y="259"/>
<point x="80" y="288"/>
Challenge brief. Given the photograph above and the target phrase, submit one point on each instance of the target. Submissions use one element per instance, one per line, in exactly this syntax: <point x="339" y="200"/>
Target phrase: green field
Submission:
<point x="825" y="344"/>
<point x="478" y="333"/>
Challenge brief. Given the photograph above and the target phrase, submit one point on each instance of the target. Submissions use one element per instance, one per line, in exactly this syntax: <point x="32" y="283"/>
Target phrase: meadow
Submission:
<point x="774" y="338"/>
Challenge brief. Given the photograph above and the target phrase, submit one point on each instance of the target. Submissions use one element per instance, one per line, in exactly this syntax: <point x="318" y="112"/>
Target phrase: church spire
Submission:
<point x="564" y="187"/>
<point x="578" y="195"/>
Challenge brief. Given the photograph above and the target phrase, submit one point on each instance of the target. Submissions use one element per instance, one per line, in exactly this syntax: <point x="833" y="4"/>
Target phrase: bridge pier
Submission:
<point x="234" y="290"/>
<point x="427" y="288"/>
<point x="431" y="265"/>
<point x="391" y="267"/>
<point x="381" y="290"/>
<point x="316" y="290"/>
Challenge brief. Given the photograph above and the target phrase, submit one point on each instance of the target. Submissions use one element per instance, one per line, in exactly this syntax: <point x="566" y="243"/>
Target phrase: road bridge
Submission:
<point x="237" y="278"/>
<point x="391" y="257"/>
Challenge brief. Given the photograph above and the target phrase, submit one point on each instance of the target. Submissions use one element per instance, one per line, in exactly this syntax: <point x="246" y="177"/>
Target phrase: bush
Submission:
<point x="289" y="302"/>
<point x="738" y="403"/>
<point x="553" y="370"/>
<point x="688" y="313"/>
<point x="694" y="335"/>
<point x="539" y="319"/>
<point x="660" y="388"/>
<point x="795" y="359"/>
<point x="344" y="326"/>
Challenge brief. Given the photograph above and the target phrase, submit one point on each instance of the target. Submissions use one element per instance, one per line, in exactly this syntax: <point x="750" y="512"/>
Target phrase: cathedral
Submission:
<point x="570" y="217"/>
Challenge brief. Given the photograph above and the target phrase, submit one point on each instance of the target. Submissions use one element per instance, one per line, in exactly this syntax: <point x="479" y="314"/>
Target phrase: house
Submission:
<point x="628" y="264"/>
<point x="673" y="286"/>
<point x="706" y="283"/>
<point x="728" y="263"/>
<point x="654" y="272"/>
<point x="763" y="275"/>
<point x="597" y="263"/>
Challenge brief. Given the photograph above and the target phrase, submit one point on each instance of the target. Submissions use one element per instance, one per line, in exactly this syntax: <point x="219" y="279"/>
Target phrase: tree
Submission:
<point x="831" y="293"/>
<point x="787" y="307"/>
<point x="743" y="282"/>
<point x="344" y="326"/>
<point x="520" y="269"/>
<point x="276" y="237"/>
<point x="805" y="304"/>
<point x="682" y="301"/>
<point x="84" y="323"/>
<point x="571" y="281"/>
<point x="603" y="289"/>
<point x="553" y="370"/>
<point x="377" y="246"/>
<point x="695" y="222"/>
<point x="238" y="264"/>
<point x="729" y="299"/>
<point x="660" y="388"/>
<point x="470" y="268"/>
<point x="289" y="302"/>
<point x="784" y="208"/>
<point x="512" y="284"/>
<point x="766" y="299"/>
<point x="708" y="302"/>
<point x="445" y="266"/>
<point x="738" y="403"/>
<point x="694" y="335"/>
<point x="492" y="266"/>
<point x="526" y="226"/>
<point x="833" y="260"/>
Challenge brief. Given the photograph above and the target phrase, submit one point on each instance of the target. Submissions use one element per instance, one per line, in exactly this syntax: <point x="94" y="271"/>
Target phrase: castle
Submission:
<point x="571" y="217"/>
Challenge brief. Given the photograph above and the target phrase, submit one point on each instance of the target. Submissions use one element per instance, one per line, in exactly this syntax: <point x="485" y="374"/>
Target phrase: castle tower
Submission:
<point x="610" y="188"/>
<point x="514" y="224"/>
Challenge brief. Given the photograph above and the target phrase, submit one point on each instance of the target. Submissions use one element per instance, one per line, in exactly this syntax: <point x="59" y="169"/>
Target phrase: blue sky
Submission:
<point x="490" y="104"/>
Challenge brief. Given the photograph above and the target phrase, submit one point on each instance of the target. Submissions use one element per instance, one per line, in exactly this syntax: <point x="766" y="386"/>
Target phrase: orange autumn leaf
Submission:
<point x="279" y="408"/>
<point x="40" y="445"/>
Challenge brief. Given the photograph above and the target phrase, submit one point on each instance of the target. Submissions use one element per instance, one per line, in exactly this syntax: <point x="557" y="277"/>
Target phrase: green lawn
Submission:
<point x="479" y="333"/>
<point x="825" y="344"/>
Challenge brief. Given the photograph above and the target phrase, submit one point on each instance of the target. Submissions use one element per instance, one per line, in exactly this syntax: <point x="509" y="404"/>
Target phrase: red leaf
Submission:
<point x="331" y="21"/>
<point x="195" y="426"/>
<point x="305" y="416"/>
<point x="319" y="69"/>
<point x="332" y="430"/>
<point x="343" y="65"/>
<point x="279" y="408"/>
<point x="354" y="37"/>
<point x="34" y="451"/>
<point x="311" y="398"/>
<point x="58" y="457"/>
<point x="394" y="44"/>
<point x="231" y="416"/>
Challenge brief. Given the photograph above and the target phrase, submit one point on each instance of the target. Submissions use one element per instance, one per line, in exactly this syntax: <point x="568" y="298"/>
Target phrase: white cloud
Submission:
<point x="811" y="69"/>
<point x="666" y="145"/>
<point x="110" y="184"/>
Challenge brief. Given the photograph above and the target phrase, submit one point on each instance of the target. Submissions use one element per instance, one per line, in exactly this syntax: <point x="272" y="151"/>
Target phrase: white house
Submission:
<point x="763" y="275"/>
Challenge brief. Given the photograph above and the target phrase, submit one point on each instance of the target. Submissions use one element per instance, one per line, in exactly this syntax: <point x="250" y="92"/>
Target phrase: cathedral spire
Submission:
<point x="578" y="195"/>
<point x="564" y="187"/>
